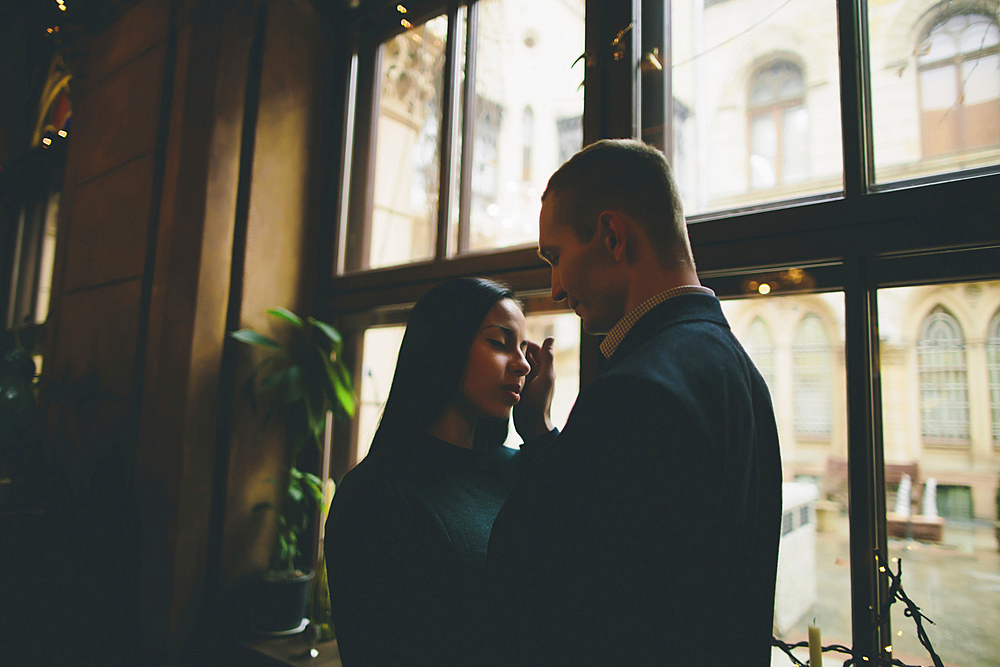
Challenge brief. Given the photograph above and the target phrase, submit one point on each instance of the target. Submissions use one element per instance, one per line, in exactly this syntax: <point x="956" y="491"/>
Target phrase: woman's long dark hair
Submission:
<point x="432" y="358"/>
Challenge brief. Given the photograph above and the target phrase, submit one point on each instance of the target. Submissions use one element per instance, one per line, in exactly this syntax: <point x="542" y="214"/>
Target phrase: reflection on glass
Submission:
<point x="797" y="342"/>
<point x="381" y="348"/>
<point x="756" y="101"/>
<point x="935" y="81"/>
<point x="407" y="146"/>
<point x="528" y="103"/>
<point x="940" y="411"/>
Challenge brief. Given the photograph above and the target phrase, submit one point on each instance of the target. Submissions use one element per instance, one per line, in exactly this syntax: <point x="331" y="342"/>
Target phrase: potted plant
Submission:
<point x="304" y="379"/>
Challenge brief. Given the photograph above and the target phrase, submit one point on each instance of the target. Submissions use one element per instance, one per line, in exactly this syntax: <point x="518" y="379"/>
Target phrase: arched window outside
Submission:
<point x="993" y="364"/>
<point x="778" y="125"/>
<point x="944" y="392"/>
<point x="811" y="378"/>
<point x="760" y="346"/>
<point x="959" y="64"/>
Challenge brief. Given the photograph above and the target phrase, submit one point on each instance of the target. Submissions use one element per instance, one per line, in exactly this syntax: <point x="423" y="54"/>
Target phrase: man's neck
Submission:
<point x="646" y="284"/>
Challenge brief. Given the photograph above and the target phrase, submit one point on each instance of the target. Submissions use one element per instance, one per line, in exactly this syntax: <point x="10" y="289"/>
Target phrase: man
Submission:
<point x="647" y="532"/>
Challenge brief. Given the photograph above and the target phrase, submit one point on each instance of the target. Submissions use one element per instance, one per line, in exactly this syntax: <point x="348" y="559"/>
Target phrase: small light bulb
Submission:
<point x="62" y="133"/>
<point x="46" y="141"/>
<point x="401" y="9"/>
<point x="882" y="569"/>
<point x="62" y="7"/>
<point x="888" y="649"/>
<point x="764" y="288"/>
<point x="405" y="23"/>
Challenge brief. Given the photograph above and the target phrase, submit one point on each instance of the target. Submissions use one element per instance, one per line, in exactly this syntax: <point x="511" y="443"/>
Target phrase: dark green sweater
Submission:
<point x="406" y="547"/>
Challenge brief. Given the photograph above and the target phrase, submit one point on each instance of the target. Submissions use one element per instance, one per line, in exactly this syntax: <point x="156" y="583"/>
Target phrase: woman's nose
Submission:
<point x="520" y="364"/>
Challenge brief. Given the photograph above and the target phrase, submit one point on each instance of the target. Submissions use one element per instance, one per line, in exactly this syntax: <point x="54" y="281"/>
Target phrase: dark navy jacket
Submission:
<point x="647" y="532"/>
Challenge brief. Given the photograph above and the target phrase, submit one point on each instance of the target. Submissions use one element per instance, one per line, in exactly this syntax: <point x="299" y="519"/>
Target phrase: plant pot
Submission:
<point x="282" y="602"/>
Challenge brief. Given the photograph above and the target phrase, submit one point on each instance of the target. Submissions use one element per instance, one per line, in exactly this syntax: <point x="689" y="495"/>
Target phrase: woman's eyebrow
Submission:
<point x="508" y="332"/>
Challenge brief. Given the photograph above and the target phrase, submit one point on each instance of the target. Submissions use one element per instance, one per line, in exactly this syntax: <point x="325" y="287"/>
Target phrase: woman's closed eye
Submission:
<point x="498" y="344"/>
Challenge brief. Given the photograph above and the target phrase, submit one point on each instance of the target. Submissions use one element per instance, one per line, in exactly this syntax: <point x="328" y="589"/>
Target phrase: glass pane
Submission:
<point x="732" y="64"/>
<point x="381" y="348"/>
<point x="525" y="53"/>
<point x="794" y="125"/>
<point x="407" y="146"/>
<point x="378" y="363"/>
<point x="565" y="329"/>
<point x="941" y="466"/>
<point x="938" y="88"/>
<point x="797" y="343"/>
<point x="982" y="83"/>
<point x="763" y="152"/>
<point x="935" y="88"/>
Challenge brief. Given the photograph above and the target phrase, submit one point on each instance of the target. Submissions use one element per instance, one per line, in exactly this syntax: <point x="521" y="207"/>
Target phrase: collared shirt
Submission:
<point x="625" y="324"/>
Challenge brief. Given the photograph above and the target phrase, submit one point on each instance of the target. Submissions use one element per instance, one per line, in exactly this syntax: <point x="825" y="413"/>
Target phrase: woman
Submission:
<point x="407" y="533"/>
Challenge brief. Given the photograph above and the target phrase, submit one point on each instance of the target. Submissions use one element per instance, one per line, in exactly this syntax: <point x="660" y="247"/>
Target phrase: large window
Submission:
<point x="944" y="401"/>
<point x="811" y="378"/>
<point x="935" y="87"/>
<point x="778" y="126"/>
<point x="993" y="366"/>
<point x="959" y="62"/>
<point x="828" y="99"/>
<point x="465" y="121"/>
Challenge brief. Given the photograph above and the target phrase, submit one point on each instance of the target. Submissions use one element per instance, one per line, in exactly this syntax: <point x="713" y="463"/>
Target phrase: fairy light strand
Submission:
<point x="896" y="594"/>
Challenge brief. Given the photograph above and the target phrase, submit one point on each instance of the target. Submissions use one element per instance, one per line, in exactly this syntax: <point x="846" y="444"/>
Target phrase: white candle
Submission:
<point x="815" y="647"/>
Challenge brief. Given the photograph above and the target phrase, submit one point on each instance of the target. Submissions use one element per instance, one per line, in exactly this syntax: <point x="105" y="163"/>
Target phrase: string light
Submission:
<point x="46" y="141"/>
<point x="401" y="9"/>
<point x="896" y="594"/>
<point x="405" y="23"/>
<point x="62" y="133"/>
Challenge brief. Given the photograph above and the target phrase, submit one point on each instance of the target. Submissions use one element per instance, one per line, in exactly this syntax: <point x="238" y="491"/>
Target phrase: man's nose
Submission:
<point x="558" y="293"/>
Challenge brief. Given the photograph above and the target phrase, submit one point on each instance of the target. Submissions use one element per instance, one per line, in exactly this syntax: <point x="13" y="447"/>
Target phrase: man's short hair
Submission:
<point x="629" y="176"/>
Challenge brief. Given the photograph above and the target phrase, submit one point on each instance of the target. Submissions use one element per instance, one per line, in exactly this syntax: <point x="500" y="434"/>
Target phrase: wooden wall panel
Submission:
<point x="118" y="117"/>
<point x="110" y="219"/>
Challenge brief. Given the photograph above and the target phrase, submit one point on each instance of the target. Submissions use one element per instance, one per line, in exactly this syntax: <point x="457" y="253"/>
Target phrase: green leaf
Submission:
<point x="251" y="337"/>
<point x="269" y="383"/>
<point x="287" y="315"/>
<point x="342" y="384"/>
<point x="329" y="332"/>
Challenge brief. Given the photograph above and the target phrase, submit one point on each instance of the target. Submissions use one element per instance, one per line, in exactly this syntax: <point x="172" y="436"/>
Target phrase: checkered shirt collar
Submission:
<point x="625" y="324"/>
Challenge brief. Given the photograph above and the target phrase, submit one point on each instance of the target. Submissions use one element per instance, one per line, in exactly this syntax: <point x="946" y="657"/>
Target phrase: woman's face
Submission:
<point x="496" y="368"/>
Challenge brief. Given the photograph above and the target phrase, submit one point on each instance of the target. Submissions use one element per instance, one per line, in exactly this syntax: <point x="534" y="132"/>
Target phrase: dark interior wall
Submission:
<point x="157" y="256"/>
<point x="281" y="256"/>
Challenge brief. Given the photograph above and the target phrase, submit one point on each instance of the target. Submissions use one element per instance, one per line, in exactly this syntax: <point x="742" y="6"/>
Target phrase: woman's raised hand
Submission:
<point x="532" y="413"/>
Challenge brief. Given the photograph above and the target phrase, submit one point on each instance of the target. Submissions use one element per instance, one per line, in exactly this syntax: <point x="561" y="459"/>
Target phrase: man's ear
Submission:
<point x="611" y="226"/>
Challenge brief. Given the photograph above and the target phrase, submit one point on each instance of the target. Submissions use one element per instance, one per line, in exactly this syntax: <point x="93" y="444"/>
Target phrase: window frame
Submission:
<point x="867" y="237"/>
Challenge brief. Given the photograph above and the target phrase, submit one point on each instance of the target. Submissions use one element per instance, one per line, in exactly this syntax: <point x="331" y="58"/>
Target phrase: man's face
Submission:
<point x="582" y="272"/>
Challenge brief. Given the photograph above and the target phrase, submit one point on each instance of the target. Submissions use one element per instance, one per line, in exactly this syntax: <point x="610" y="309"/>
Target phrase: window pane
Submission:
<point x="565" y="329"/>
<point x="381" y="348"/>
<point x="797" y="344"/>
<point x="526" y="90"/>
<point x="738" y="66"/>
<point x="378" y="363"/>
<point x="407" y="145"/>
<point x="940" y="515"/>
<point x="935" y="88"/>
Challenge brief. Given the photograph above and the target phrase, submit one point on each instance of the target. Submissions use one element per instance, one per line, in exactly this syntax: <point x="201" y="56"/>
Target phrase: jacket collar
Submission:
<point x="678" y="310"/>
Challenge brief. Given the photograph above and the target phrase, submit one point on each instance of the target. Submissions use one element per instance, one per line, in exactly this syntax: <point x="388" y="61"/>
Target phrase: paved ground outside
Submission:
<point x="956" y="584"/>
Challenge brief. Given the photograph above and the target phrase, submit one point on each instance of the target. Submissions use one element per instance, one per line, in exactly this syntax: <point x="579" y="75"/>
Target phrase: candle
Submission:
<point x="815" y="647"/>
